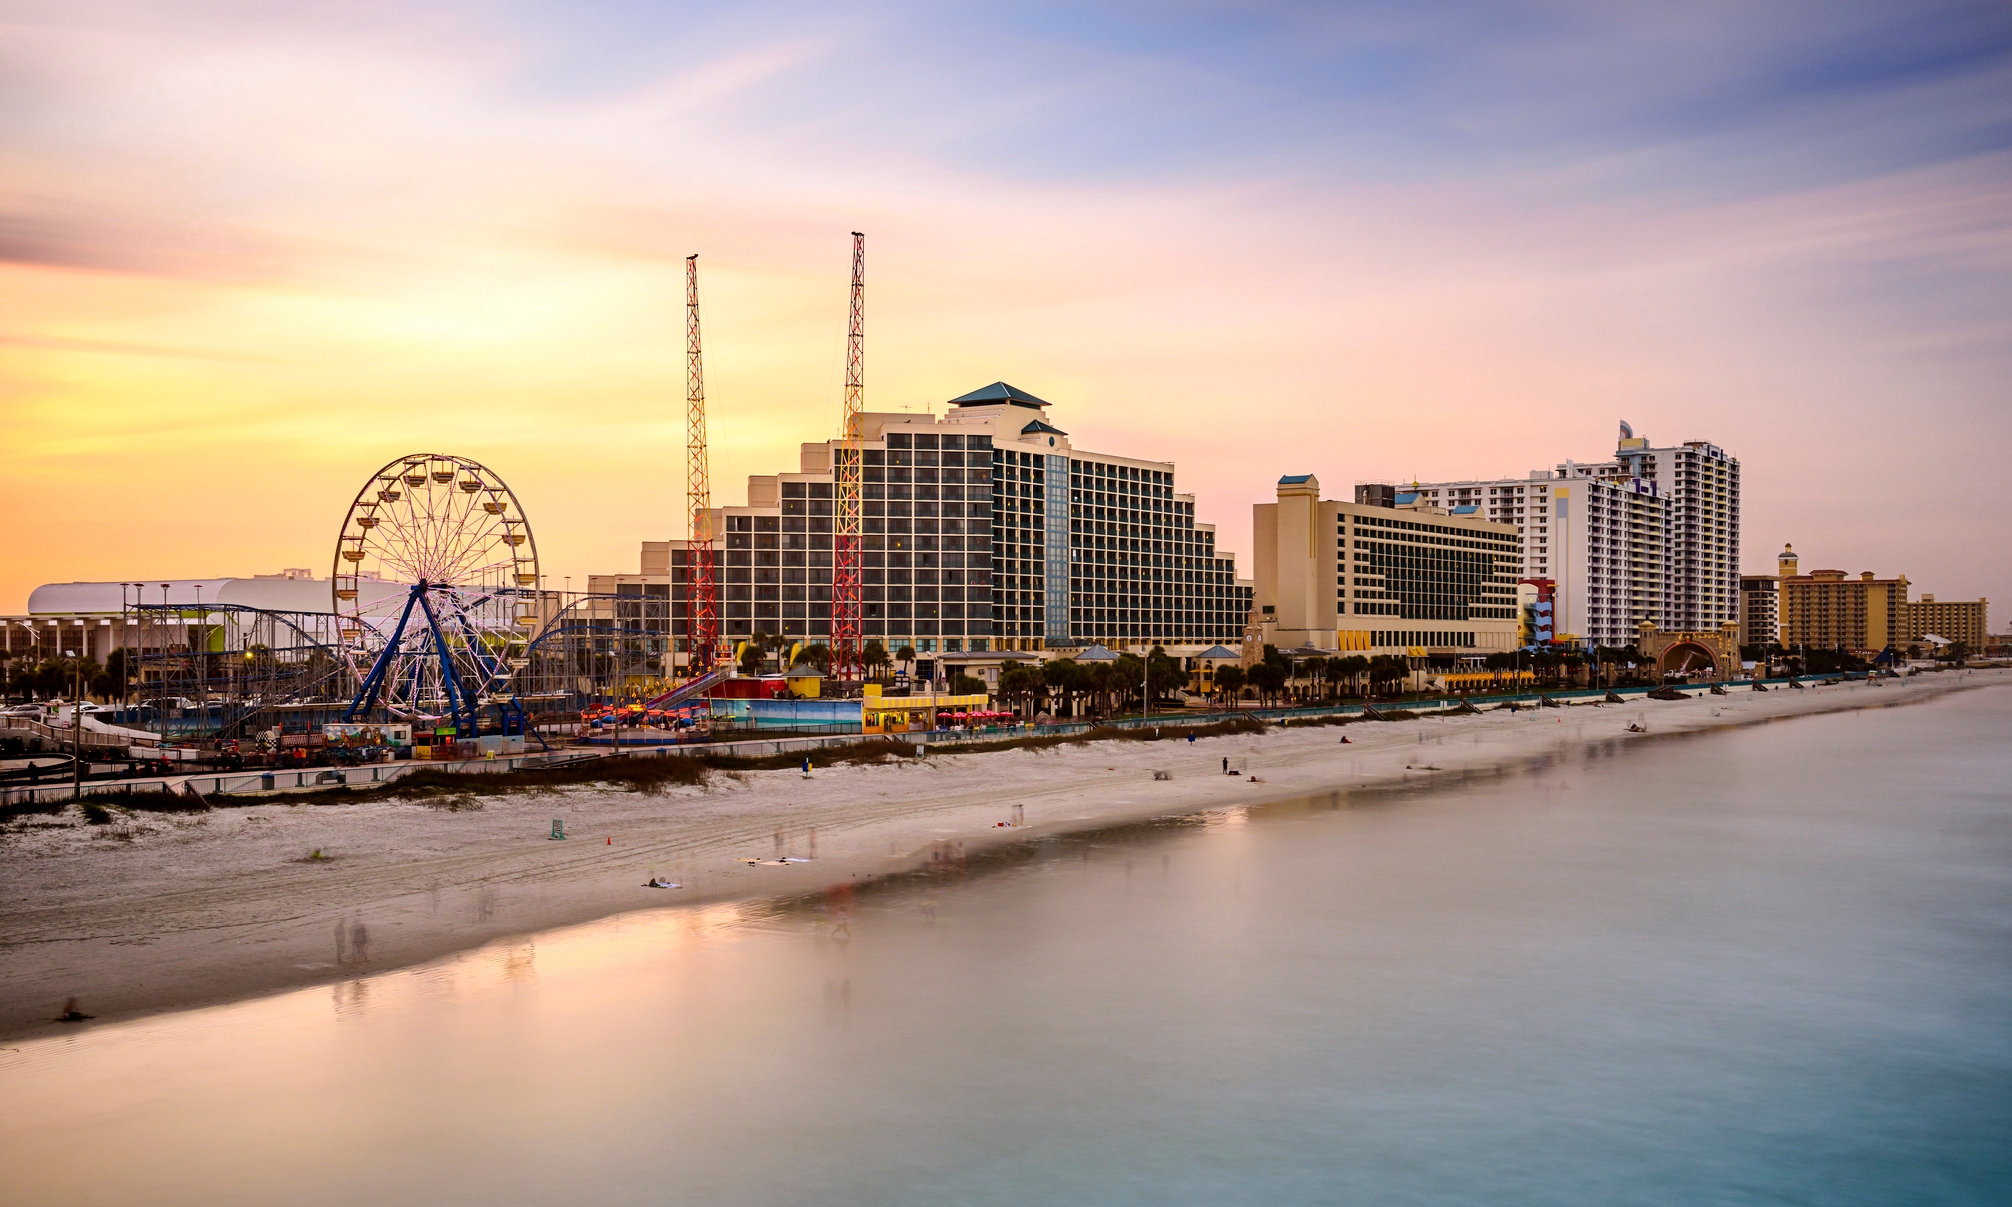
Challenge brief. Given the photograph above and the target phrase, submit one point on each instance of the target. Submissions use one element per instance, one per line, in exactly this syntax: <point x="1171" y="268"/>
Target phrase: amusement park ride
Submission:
<point x="439" y="615"/>
<point x="846" y="561"/>
<point x="444" y="643"/>
<point x="702" y="627"/>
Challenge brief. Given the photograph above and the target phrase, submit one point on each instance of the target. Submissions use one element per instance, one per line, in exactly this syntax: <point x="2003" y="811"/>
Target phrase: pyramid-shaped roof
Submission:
<point x="995" y="394"/>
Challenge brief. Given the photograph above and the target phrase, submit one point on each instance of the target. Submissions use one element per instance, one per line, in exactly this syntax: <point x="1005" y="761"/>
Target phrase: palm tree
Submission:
<point x="1099" y="680"/>
<point x="1061" y="675"/>
<point x="1384" y="669"/>
<point x="1018" y="683"/>
<point x="906" y="657"/>
<point x="1269" y="678"/>
<point x="1333" y="672"/>
<point x="1126" y="674"/>
<point x="1164" y="675"/>
<point x="1229" y="681"/>
<point x="874" y="660"/>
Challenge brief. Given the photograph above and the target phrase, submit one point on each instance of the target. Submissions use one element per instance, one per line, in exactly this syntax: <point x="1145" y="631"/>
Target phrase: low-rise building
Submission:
<point x="92" y="619"/>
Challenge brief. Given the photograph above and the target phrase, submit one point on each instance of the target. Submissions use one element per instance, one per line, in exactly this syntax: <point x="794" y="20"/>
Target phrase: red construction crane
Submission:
<point x="845" y="560"/>
<point x="702" y="630"/>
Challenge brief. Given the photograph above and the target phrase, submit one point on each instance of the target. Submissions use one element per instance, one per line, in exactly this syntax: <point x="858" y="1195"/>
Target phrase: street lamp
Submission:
<point x="125" y="633"/>
<point x="203" y="656"/>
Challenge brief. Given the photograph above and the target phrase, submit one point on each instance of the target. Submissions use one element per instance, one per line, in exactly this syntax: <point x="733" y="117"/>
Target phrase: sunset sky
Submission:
<point x="251" y="252"/>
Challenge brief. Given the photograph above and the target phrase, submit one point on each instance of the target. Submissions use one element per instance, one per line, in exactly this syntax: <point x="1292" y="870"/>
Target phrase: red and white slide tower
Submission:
<point x="845" y="561"/>
<point x="702" y="630"/>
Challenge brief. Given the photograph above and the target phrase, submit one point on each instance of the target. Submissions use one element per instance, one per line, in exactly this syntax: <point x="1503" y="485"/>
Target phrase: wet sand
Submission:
<point x="163" y="911"/>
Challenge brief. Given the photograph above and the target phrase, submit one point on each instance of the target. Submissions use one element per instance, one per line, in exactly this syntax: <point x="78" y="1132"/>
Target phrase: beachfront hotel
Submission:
<point x="984" y="529"/>
<point x="1830" y="610"/>
<point x="1601" y="544"/>
<point x="1524" y="503"/>
<point x="1760" y="609"/>
<point x="1866" y="615"/>
<point x="1964" y="620"/>
<point x="1702" y="485"/>
<point x="1651" y="534"/>
<point x="1408" y="579"/>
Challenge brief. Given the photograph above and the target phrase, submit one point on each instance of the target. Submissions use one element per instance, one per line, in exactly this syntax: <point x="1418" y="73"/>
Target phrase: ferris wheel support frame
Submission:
<point x="463" y="705"/>
<point x="373" y="683"/>
<point x="455" y="514"/>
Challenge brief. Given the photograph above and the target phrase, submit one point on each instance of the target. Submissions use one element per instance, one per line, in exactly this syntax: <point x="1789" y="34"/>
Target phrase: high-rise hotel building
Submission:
<point x="982" y="529"/>
<point x="1603" y="545"/>
<point x="1650" y="535"/>
<point x="1524" y="503"/>
<point x="1702" y="484"/>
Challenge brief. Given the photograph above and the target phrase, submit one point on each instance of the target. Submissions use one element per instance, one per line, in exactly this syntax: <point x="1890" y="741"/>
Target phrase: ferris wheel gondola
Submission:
<point x="435" y="589"/>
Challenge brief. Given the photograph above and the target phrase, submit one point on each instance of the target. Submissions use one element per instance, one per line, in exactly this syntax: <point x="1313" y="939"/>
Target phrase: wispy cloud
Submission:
<point x="271" y="246"/>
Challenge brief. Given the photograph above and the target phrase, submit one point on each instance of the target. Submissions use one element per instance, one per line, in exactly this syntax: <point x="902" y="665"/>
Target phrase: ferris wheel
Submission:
<point x="436" y="590"/>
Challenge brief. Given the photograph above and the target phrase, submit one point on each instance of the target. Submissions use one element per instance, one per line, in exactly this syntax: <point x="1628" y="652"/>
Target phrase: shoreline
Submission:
<point x="163" y="912"/>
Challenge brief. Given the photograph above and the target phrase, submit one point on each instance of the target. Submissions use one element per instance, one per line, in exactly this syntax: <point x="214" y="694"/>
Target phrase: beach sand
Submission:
<point x="165" y="911"/>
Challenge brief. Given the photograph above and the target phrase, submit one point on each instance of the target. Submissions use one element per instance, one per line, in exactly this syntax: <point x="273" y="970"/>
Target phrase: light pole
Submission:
<point x="126" y="630"/>
<point x="203" y="657"/>
<point x="77" y="734"/>
<point x="164" y="650"/>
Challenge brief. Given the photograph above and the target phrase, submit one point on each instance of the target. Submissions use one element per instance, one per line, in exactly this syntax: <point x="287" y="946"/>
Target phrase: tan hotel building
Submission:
<point x="1963" y="620"/>
<point x="1828" y="610"/>
<point x="1412" y="580"/>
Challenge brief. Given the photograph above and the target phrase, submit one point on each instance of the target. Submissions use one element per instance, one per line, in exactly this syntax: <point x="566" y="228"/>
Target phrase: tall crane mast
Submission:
<point x="845" y="561"/>
<point x="702" y="627"/>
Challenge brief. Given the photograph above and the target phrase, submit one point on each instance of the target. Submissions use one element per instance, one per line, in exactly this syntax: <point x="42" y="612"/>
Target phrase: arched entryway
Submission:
<point x="1710" y="655"/>
<point x="1689" y="660"/>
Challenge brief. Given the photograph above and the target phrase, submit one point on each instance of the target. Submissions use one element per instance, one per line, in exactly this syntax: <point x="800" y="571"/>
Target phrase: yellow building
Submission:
<point x="1360" y="578"/>
<point x="914" y="714"/>
<point x="1826" y="609"/>
<point x="1961" y="620"/>
<point x="1829" y="610"/>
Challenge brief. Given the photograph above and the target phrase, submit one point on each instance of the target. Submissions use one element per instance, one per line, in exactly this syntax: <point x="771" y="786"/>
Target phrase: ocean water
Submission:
<point x="1767" y="965"/>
